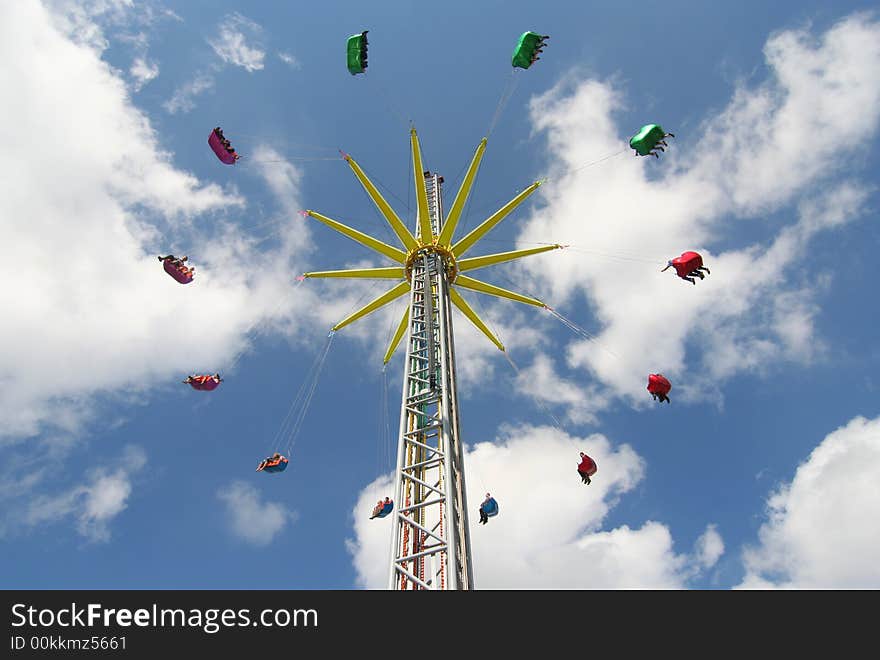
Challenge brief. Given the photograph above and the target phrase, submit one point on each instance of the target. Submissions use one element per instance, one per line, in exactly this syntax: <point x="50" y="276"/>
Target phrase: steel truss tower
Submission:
<point x="430" y="541"/>
<point x="430" y="538"/>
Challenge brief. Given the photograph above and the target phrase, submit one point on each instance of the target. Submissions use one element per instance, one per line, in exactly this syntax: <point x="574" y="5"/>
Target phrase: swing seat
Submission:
<point x="686" y="263"/>
<point x="490" y="508"/>
<point x="276" y="466"/>
<point x="204" y="383"/>
<point x="587" y="466"/>
<point x="646" y="139"/>
<point x="658" y="384"/>
<point x="220" y="150"/>
<point x="179" y="274"/>
<point x="388" y="508"/>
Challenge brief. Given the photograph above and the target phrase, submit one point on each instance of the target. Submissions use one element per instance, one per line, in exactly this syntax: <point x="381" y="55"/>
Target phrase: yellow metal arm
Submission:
<point x="392" y="273"/>
<point x="492" y="259"/>
<point x="461" y="198"/>
<point x="492" y="290"/>
<point x="381" y="301"/>
<point x="468" y="241"/>
<point x="426" y="236"/>
<point x="382" y="248"/>
<point x="460" y="302"/>
<point x="393" y="219"/>
<point x="398" y="335"/>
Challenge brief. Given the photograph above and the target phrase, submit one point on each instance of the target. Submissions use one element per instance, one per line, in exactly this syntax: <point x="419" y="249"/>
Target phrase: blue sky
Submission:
<point x="759" y="474"/>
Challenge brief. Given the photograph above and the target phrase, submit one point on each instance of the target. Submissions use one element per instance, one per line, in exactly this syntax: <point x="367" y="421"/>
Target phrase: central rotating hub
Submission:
<point x="446" y="257"/>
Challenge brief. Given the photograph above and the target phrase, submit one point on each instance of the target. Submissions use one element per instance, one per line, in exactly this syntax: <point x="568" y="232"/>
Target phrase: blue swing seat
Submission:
<point x="280" y="467"/>
<point x="490" y="508"/>
<point x="388" y="508"/>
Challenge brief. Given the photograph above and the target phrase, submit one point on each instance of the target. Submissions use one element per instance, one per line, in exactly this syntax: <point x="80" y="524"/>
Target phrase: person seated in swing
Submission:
<point x="382" y="509"/>
<point x="271" y="461"/>
<point x="178" y="268"/>
<point x="203" y="381"/>
<point x="688" y="266"/>
<point x="174" y="260"/>
<point x="489" y="507"/>
<point x="586" y="468"/>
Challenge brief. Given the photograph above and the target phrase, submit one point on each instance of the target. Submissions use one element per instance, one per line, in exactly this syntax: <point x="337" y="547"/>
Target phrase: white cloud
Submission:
<point x="822" y="101"/>
<point x="283" y="179"/>
<point x="822" y="528"/>
<point x="541" y="381"/>
<point x="550" y="531"/>
<point x="86" y="21"/>
<point x="123" y="21"/>
<point x="231" y="45"/>
<point x="370" y="550"/>
<point x="81" y="20"/>
<point x="709" y="547"/>
<point x="183" y="99"/>
<point x="289" y="60"/>
<point x="143" y="71"/>
<point x="94" y="23"/>
<point x="93" y="504"/>
<point x="780" y="143"/>
<point x="251" y="519"/>
<point x="92" y="199"/>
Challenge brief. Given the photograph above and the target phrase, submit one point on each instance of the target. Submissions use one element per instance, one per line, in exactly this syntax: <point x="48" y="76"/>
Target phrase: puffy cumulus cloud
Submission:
<point x="541" y="381"/>
<point x="231" y="43"/>
<point x="81" y="184"/>
<point x="551" y="530"/>
<point x="643" y="211"/>
<point x="821" y="530"/>
<point x="638" y="559"/>
<point x="823" y="87"/>
<point x="93" y="504"/>
<point x="91" y="199"/>
<point x="250" y="518"/>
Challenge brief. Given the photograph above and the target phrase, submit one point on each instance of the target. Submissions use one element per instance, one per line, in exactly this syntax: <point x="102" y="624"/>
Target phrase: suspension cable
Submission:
<point x="307" y="400"/>
<point x="506" y="94"/>
<point x="540" y="403"/>
<point x="578" y="330"/>
<point x="278" y="306"/>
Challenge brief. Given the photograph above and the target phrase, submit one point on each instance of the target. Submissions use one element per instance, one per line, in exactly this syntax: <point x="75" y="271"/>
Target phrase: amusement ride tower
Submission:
<point x="430" y="539"/>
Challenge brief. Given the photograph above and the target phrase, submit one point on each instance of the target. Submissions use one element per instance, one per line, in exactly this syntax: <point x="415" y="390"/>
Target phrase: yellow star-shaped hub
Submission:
<point x="442" y="244"/>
